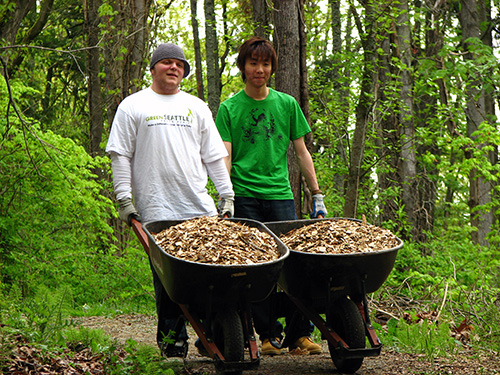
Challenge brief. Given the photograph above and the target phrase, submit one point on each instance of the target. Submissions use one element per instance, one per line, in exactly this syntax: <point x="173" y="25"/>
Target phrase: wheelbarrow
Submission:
<point x="216" y="299"/>
<point x="336" y="285"/>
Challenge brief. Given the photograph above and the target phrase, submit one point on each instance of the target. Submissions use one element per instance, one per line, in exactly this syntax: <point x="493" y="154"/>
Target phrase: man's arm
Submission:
<point x="122" y="183"/>
<point x="228" y="158"/>
<point x="306" y="165"/>
<point x="220" y="177"/>
<point x="122" y="175"/>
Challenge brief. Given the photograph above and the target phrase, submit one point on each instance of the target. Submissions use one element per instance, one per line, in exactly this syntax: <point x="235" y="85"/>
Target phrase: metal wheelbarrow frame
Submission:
<point x="218" y="295"/>
<point x="336" y="285"/>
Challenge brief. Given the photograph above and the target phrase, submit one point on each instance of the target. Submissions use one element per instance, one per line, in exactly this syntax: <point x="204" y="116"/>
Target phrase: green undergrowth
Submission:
<point x="46" y="326"/>
<point x="441" y="302"/>
<point x="434" y="304"/>
<point x="425" y="337"/>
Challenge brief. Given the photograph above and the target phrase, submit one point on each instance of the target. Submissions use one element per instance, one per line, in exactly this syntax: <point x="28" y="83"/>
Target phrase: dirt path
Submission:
<point x="142" y="329"/>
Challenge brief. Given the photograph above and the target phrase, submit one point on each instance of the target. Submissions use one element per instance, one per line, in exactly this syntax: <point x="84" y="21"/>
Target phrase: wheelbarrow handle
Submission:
<point x="141" y="235"/>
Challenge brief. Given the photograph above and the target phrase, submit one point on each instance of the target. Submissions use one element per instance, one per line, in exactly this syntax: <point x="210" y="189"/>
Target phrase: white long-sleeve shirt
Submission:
<point x="162" y="149"/>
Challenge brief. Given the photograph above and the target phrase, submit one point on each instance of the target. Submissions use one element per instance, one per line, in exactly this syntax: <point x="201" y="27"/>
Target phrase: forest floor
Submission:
<point x="28" y="360"/>
<point x="142" y="329"/>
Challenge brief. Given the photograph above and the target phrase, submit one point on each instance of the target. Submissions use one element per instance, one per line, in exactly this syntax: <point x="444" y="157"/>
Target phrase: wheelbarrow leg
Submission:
<point x="199" y="328"/>
<point x="248" y="329"/>
<point x="362" y="303"/>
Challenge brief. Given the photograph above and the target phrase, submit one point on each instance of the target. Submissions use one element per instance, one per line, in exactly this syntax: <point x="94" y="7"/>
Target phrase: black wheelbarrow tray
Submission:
<point x="218" y="295"/>
<point x="336" y="285"/>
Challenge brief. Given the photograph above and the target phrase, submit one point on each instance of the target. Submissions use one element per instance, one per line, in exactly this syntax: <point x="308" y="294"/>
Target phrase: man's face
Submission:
<point x="167" y="75"/>
<point x="257" y="71"/>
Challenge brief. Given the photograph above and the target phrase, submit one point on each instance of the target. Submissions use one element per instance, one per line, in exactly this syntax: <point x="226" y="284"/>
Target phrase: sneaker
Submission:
<point x="179" y="349"/>
<point x="201" y="348"/>
<point x="305" y="343"/>
<point x="271" y="347"/>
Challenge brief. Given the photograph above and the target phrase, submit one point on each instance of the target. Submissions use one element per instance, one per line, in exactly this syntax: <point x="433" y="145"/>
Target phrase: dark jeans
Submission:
<point x="264" y="312"/>
<point x="264" y="210"/>
<point x="168" y="313"/>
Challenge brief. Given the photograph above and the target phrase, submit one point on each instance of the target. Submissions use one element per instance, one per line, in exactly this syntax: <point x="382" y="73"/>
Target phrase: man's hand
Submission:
<point x="319" y="208"/>
<point x="127" y="211"/>
<point x="226" y="207"/>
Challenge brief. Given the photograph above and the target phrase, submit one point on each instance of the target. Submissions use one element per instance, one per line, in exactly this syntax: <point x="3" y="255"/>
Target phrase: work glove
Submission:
<point x="127" y="211"/>
<point x="226" y="207"/>
<point x="319" y="207"/>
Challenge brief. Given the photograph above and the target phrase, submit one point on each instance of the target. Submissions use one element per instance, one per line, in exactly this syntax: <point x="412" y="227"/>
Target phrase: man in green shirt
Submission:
<point x="257" y="125"/>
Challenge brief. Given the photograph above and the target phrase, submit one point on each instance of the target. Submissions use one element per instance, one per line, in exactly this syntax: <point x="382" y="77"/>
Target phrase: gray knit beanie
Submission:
<point x="169" y="51"/>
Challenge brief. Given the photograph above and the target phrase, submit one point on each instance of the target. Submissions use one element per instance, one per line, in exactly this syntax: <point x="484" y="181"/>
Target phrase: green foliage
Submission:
<point x="55" y="220"/>
<point x="145" y="360"/>
<point x="138" y="359"/>
<point x="456" y="279"/>
<point x="43" y="316"/>
<point x="428" y="338"/>
<point x="95" y="339"/>
<point x="45" y="321"/>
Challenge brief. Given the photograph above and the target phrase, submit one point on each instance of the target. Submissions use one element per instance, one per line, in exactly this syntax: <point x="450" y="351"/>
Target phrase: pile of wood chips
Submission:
<point x="339" y="236"/>
<point x="216" y="241"/>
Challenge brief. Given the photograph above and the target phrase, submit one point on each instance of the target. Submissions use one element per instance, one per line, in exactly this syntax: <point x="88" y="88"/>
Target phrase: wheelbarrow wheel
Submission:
<point x="346" y="320"/>
<point x="228" y="336"/>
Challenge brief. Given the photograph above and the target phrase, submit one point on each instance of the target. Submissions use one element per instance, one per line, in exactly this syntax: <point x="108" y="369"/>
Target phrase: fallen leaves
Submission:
<point x="30" y="360"/>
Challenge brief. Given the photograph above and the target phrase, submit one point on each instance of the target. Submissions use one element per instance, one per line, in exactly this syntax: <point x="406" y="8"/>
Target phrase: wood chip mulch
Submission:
<point x="339" y="236"/>
<point x="217" y="241"/>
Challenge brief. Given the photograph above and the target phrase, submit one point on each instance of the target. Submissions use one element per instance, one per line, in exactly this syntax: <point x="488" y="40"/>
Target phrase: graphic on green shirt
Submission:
<point x="259" y="125"/>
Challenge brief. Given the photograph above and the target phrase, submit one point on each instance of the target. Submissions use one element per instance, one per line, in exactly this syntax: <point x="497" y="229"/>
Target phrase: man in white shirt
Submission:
<point x="163" y="146"/>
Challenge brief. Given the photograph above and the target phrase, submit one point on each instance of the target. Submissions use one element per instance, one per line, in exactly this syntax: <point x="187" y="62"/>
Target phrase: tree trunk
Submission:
<point x="487" y="27"/>
<point x="227" y="44"/>
<point x="307" y="203"/>
<point x="287" y="44"/>
<point x="127" y="49"/>
<point x="480" y="187"/>
<point x="197" y="50"/>
<point x="260" y="17"/>
<point x="94" y="88"/>
<point x="408" y="160"/>
<point x="12" y="18"/>
<point x="340" y="73"/>
<point x="386" y="143"/>
<point x="425" y="107"/>
<point x="125" y="56"/>
<point x="10" y="23"/>
<point x="363" y="111"/>
<point x="212" y="47"/>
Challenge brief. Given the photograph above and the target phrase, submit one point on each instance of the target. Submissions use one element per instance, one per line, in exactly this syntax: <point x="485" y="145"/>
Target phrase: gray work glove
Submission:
<point x="127" y="211"/>
<point x="226" y="207"/>
<point x="319" y="208"/>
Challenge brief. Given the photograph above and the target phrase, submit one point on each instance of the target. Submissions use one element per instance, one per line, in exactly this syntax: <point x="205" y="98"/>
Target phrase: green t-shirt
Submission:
<point x="260" y="132"/>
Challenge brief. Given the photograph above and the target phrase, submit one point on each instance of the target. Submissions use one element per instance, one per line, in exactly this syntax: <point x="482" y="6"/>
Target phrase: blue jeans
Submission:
<point x="263" y="313"/>
<point x="264" y="210"/>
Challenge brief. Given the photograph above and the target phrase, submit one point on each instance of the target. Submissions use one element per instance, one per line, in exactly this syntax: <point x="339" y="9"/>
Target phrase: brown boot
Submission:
<point x="269" y="349"/>
<point x="305" y="343"/>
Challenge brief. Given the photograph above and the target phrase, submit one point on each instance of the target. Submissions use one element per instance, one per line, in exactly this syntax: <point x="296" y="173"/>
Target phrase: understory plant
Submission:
<point x="442" y="299"/>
